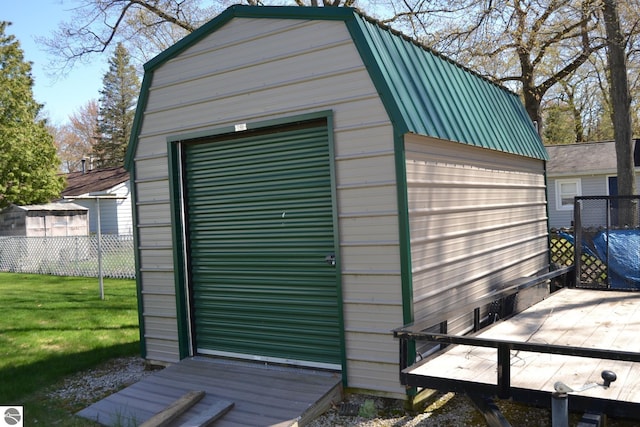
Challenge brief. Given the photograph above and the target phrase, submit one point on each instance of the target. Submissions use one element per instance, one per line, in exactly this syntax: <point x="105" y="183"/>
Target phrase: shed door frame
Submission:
<point x="180" y="233"/>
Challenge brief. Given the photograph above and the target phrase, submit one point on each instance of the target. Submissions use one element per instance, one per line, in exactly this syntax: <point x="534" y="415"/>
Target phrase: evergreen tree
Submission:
<point x="116" y="109"/>
<point x="28" y="160"/>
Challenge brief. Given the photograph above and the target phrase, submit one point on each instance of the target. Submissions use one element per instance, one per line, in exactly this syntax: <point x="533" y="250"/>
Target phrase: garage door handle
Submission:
<point x="330" y="259"/>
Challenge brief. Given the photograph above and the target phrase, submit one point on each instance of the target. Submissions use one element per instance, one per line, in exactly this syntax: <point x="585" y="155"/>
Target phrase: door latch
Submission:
<point x="330" y="259"/>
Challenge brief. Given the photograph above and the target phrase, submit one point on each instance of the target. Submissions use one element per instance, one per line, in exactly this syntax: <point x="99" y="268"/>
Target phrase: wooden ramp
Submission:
<point x="587" y="319"/>
<point x="260" y="395"/>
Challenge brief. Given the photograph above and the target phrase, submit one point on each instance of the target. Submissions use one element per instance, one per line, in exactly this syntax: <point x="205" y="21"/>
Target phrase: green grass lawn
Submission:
<point x="53" y="326"/>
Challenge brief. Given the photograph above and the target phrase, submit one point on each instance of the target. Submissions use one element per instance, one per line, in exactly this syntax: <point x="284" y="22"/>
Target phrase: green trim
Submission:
<point x="336" y="240"/>
<point x="215" y="131"/>
<point x="137" y="122"/>
<point x="283" y="12"/>
<point x="179" y="240"/>
<point x="179" y="261"/>
<point x="404" y="233"/>
<point x="380" y="81"/>
<point x="404" y="230"/>
<point x="136" y="258"/>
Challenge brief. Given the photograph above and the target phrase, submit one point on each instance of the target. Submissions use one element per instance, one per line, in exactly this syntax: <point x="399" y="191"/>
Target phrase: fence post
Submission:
<point x="577" y="247"/>
<point x="100" y="281"/>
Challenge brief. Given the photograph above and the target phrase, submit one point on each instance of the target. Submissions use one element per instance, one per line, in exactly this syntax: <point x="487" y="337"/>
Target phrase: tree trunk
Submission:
<point x="532" y="105"/>
<point x="530" y="93"/>
<point x="621" y="103"/>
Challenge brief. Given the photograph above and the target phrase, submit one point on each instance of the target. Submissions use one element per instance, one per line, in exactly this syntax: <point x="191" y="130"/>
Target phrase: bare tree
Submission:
<point x="530" y="45"/>
<point x="145" y="27"/>
<point x="150" y="25"/>
<point x="74" y="140"/>
<point x="585" y="102"/>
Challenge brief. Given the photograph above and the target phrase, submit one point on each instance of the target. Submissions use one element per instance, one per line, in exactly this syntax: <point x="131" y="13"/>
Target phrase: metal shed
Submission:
<point x="47" y="220"/>
<point x="306" y="180"/>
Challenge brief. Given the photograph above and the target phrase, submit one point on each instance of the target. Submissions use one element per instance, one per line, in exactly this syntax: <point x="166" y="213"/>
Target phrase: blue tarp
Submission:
<point x="623" y="258"/>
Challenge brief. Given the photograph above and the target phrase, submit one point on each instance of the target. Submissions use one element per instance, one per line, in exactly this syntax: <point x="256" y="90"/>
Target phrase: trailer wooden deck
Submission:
<point x="262" y="395"/>
<point x="572" y="336"/>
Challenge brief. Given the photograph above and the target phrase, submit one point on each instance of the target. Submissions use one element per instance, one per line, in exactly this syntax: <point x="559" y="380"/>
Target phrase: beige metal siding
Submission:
<point x="250" y="71"/>
<point x="477" y="218"/>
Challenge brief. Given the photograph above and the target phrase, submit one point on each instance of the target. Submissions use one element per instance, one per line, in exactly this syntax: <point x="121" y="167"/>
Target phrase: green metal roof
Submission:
<point x="428" y="94"/>
<point x="423" y="92"/>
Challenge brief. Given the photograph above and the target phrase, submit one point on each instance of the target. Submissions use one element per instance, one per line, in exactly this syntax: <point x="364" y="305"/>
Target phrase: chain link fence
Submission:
<point x="69" y="256"/>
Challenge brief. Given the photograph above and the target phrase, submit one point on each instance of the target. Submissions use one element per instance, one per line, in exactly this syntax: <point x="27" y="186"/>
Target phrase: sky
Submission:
<point x="62" y="95"/>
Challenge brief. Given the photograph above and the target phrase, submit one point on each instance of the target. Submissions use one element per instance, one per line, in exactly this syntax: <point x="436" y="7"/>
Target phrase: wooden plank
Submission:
<point x="210" y="415"/>
<point x="630" y="385"/>
<point x="331" y="398"/>
<point x="462" y="362"/>
<point x="537" y="371"/>
<point x="173" y="411"/>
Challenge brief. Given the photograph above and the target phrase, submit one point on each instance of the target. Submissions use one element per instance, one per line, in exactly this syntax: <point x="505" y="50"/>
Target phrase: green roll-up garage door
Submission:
<point x="260" y="225"/>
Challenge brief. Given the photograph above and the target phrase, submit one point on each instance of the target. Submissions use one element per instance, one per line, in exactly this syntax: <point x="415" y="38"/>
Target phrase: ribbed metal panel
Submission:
<point x="475" y="223"/>
<point x="433" y="96"/>
<point x="260" y="223"/>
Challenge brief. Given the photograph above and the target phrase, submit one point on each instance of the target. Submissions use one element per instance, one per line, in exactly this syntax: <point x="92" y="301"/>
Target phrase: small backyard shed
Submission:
<point x="306" y="180"/>
<point x="46" y="220"/>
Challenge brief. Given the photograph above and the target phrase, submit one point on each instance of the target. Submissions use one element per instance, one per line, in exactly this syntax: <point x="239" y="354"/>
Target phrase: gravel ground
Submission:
<point x="445" y="409"/>
<point x="369" y="411"/>
<point x="84" y="388"/>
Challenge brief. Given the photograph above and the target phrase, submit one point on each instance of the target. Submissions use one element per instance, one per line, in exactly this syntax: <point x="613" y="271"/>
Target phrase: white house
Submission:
<point x="582" y="169"/>
<point x="107" y="189"/>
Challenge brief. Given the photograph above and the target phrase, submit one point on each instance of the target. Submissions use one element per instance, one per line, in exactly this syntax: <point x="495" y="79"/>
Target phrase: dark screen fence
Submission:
<point x="607" y="242"/>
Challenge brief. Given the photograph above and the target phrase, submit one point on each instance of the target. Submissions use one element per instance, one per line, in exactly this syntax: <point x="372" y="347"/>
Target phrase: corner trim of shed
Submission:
<point x="138" y="278"/>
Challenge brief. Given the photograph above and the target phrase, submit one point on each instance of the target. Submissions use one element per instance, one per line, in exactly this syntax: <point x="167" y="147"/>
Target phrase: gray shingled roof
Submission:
<point x="582" y="158"/>
<point x="585" y="158"/>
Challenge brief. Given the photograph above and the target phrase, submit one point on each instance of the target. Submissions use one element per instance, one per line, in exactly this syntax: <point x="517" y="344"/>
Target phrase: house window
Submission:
<point x="566" y="190"/>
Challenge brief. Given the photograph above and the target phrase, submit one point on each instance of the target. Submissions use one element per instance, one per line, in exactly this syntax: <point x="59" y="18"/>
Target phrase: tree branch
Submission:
<point x="162" y="14"/>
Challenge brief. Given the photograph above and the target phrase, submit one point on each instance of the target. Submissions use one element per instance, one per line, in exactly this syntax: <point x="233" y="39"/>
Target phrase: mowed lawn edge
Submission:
<point x="53" y="326"/>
